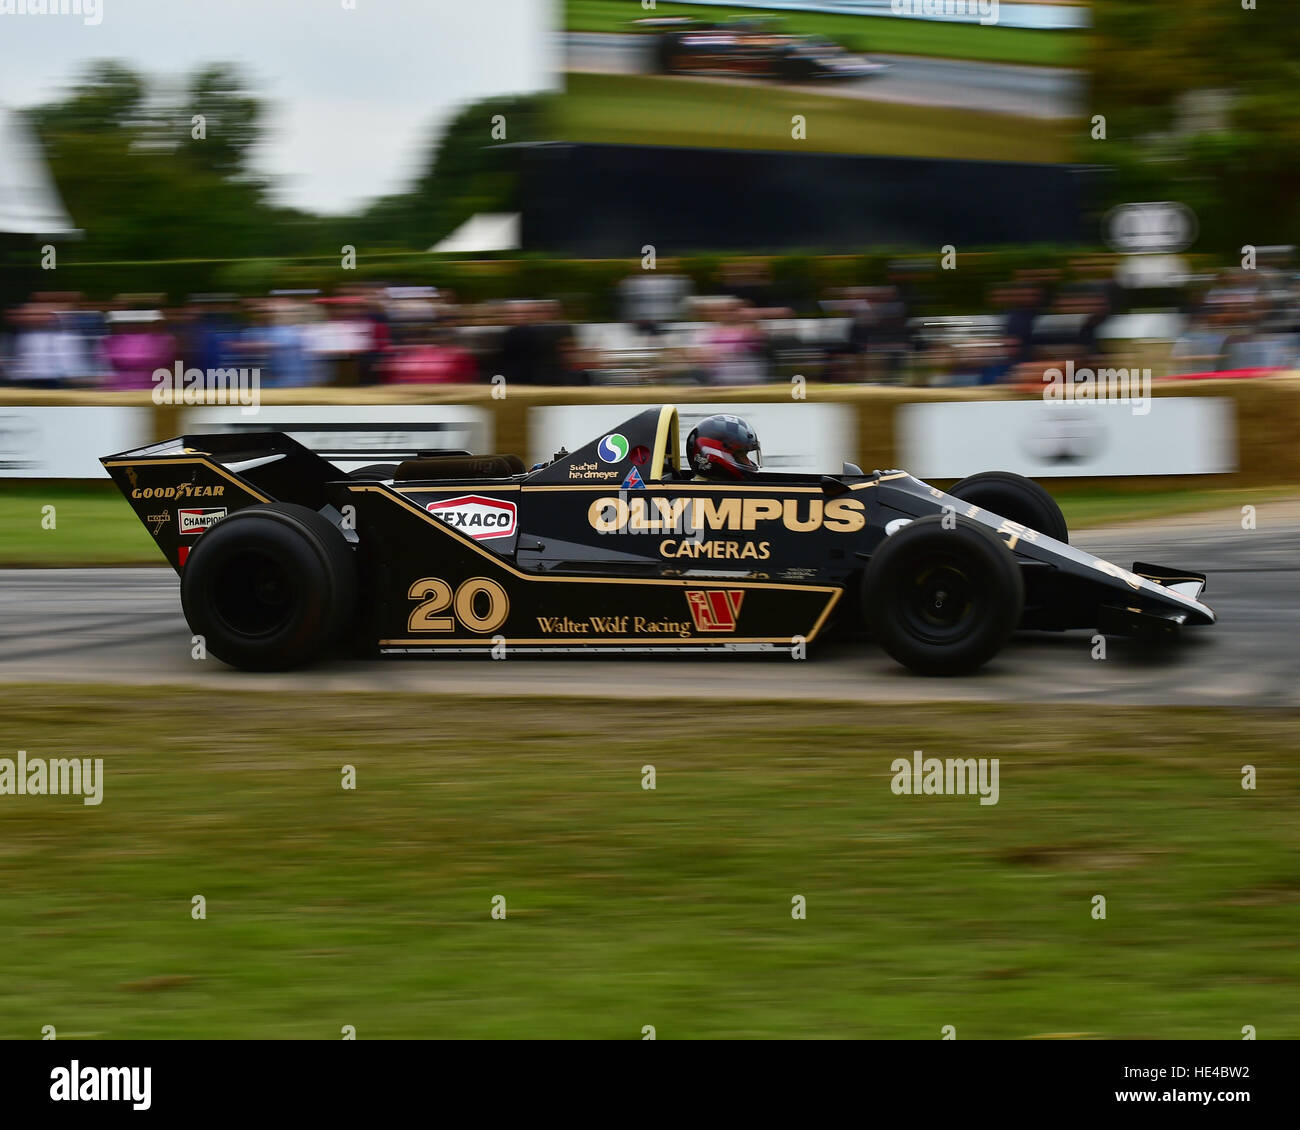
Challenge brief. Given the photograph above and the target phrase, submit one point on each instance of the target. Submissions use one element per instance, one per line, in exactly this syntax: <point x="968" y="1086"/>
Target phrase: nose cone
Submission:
<point x="1193" y="610"/>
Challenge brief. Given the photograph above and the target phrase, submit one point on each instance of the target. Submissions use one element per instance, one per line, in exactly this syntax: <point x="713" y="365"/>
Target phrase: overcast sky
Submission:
<point x="354" y="94"/>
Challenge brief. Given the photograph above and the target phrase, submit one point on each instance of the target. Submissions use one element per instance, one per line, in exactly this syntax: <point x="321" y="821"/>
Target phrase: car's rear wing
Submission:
<point x="181" y="487"/>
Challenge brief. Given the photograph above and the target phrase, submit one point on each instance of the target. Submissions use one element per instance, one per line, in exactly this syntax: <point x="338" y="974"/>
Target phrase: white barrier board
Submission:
<point x="67" y="442"/>
<point x="1181" y="435"/>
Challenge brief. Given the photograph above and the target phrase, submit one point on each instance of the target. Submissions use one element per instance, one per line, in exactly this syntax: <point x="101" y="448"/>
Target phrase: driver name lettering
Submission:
<point x="588" y="471"/>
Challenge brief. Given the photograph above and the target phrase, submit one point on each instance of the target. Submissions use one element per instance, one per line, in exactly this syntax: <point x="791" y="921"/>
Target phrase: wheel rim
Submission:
<point x="938" y="601"/>
<point x="253" y="594"/>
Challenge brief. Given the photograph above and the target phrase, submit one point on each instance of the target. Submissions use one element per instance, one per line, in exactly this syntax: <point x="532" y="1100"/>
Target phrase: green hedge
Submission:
<point x="587" y="286"/>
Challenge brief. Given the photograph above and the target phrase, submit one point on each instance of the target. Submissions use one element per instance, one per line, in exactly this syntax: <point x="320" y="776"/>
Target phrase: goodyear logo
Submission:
<point x="689" y="515"/>
<point x="181" y="490"/>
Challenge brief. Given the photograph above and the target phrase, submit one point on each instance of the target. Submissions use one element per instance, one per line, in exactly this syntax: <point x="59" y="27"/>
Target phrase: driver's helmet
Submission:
<point x="723" y="447"/>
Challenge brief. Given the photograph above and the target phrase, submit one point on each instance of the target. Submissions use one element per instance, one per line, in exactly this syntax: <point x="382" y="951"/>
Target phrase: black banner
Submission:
<point x="1226" y="1080"/>
<point x="609" y="200"/>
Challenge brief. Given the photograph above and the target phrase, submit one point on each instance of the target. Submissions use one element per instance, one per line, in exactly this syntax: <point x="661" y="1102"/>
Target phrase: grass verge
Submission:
<point x="92" y="525"/>
<point x="1086" y="506"/>
<point x="629" y="907"/>
<point x="708" y="112"/>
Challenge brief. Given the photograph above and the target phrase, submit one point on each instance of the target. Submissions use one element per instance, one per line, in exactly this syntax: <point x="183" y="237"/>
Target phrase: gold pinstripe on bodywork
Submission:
<point x="832" y="593"/>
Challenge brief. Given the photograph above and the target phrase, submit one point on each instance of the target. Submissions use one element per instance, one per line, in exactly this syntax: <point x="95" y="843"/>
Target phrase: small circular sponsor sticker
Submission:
<point x="612" y="449"/>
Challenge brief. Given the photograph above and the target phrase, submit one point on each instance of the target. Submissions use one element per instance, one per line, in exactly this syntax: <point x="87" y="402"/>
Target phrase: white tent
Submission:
<point x="29" y="202"/>
<point x="488" y="231"/>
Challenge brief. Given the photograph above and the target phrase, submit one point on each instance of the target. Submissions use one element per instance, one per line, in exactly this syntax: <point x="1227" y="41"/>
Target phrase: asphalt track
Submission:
<point x="1000" y="88"/>
<point x="124" y="626"/>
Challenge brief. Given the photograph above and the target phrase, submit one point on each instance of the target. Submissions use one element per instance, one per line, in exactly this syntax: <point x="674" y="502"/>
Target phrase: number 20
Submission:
<point x="436" y="596"/>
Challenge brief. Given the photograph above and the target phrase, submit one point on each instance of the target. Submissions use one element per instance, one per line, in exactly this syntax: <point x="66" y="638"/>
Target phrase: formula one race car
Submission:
<point x="750" y="48"/>
<point x="620" y="545"/>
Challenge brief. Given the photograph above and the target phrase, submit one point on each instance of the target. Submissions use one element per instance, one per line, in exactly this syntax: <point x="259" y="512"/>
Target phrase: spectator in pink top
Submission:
<point x="137" y="344"/>
<point x="428" y="357"/>
<point x="734" y="346"/>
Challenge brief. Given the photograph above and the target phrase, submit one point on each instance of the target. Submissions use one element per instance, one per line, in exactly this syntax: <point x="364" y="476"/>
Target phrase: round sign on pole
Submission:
<point x="1158" y="226"/>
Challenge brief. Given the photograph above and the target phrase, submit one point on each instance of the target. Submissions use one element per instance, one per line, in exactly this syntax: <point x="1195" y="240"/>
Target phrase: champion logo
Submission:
<point x="612" y="449"/>
<point x="196" y="521"/>
<point x="475" y="516"/>
<point x="715" y="610"/>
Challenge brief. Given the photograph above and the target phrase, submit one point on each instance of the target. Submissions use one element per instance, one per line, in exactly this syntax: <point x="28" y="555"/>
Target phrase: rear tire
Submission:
<point x="1016" y="497"/>
<point x="943" y="601"/>
<point x="270" y="587"/>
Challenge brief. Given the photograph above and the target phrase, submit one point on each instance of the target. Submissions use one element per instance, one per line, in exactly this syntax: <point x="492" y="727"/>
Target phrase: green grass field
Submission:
<point x="705" y="112"/>
<point x="627" y="907"/>
<point x="95" y="526"/>
<point x="1090" y="506"/>
<point x="858" y="33"/>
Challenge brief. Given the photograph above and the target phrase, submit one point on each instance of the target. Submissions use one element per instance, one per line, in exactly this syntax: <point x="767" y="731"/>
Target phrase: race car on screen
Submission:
<point x="749" y="48"/>
<point x="622" y="545"/>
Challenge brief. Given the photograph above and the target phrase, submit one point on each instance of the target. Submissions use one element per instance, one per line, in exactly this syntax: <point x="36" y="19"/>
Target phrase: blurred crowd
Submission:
<point x="747" y="333"/>
<point x="295" y="339"/>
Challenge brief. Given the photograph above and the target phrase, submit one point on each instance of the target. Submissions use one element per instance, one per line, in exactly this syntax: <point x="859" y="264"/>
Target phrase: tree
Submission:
<point x="143" y="189"/>
<point x="1202" y="103"/>
<point x="138" y="187"/>
<point x="231" y="121"/>
<point x="468" y="171"/>
<point x="109" y="98"/>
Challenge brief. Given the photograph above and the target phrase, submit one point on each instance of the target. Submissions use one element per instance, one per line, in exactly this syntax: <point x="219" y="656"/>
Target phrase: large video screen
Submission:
<point x="963" y="79"/>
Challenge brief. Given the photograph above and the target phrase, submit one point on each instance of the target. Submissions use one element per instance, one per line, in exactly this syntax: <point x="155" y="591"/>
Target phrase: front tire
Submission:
<point x="943" y="600"/>
<point x="270" y="587"/>
<point x="1016" y="497"/>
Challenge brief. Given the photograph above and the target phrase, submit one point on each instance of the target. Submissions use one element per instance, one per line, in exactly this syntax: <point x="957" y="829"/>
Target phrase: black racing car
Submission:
<point x="750" y="49"/>
<point x="618" y="545"/>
